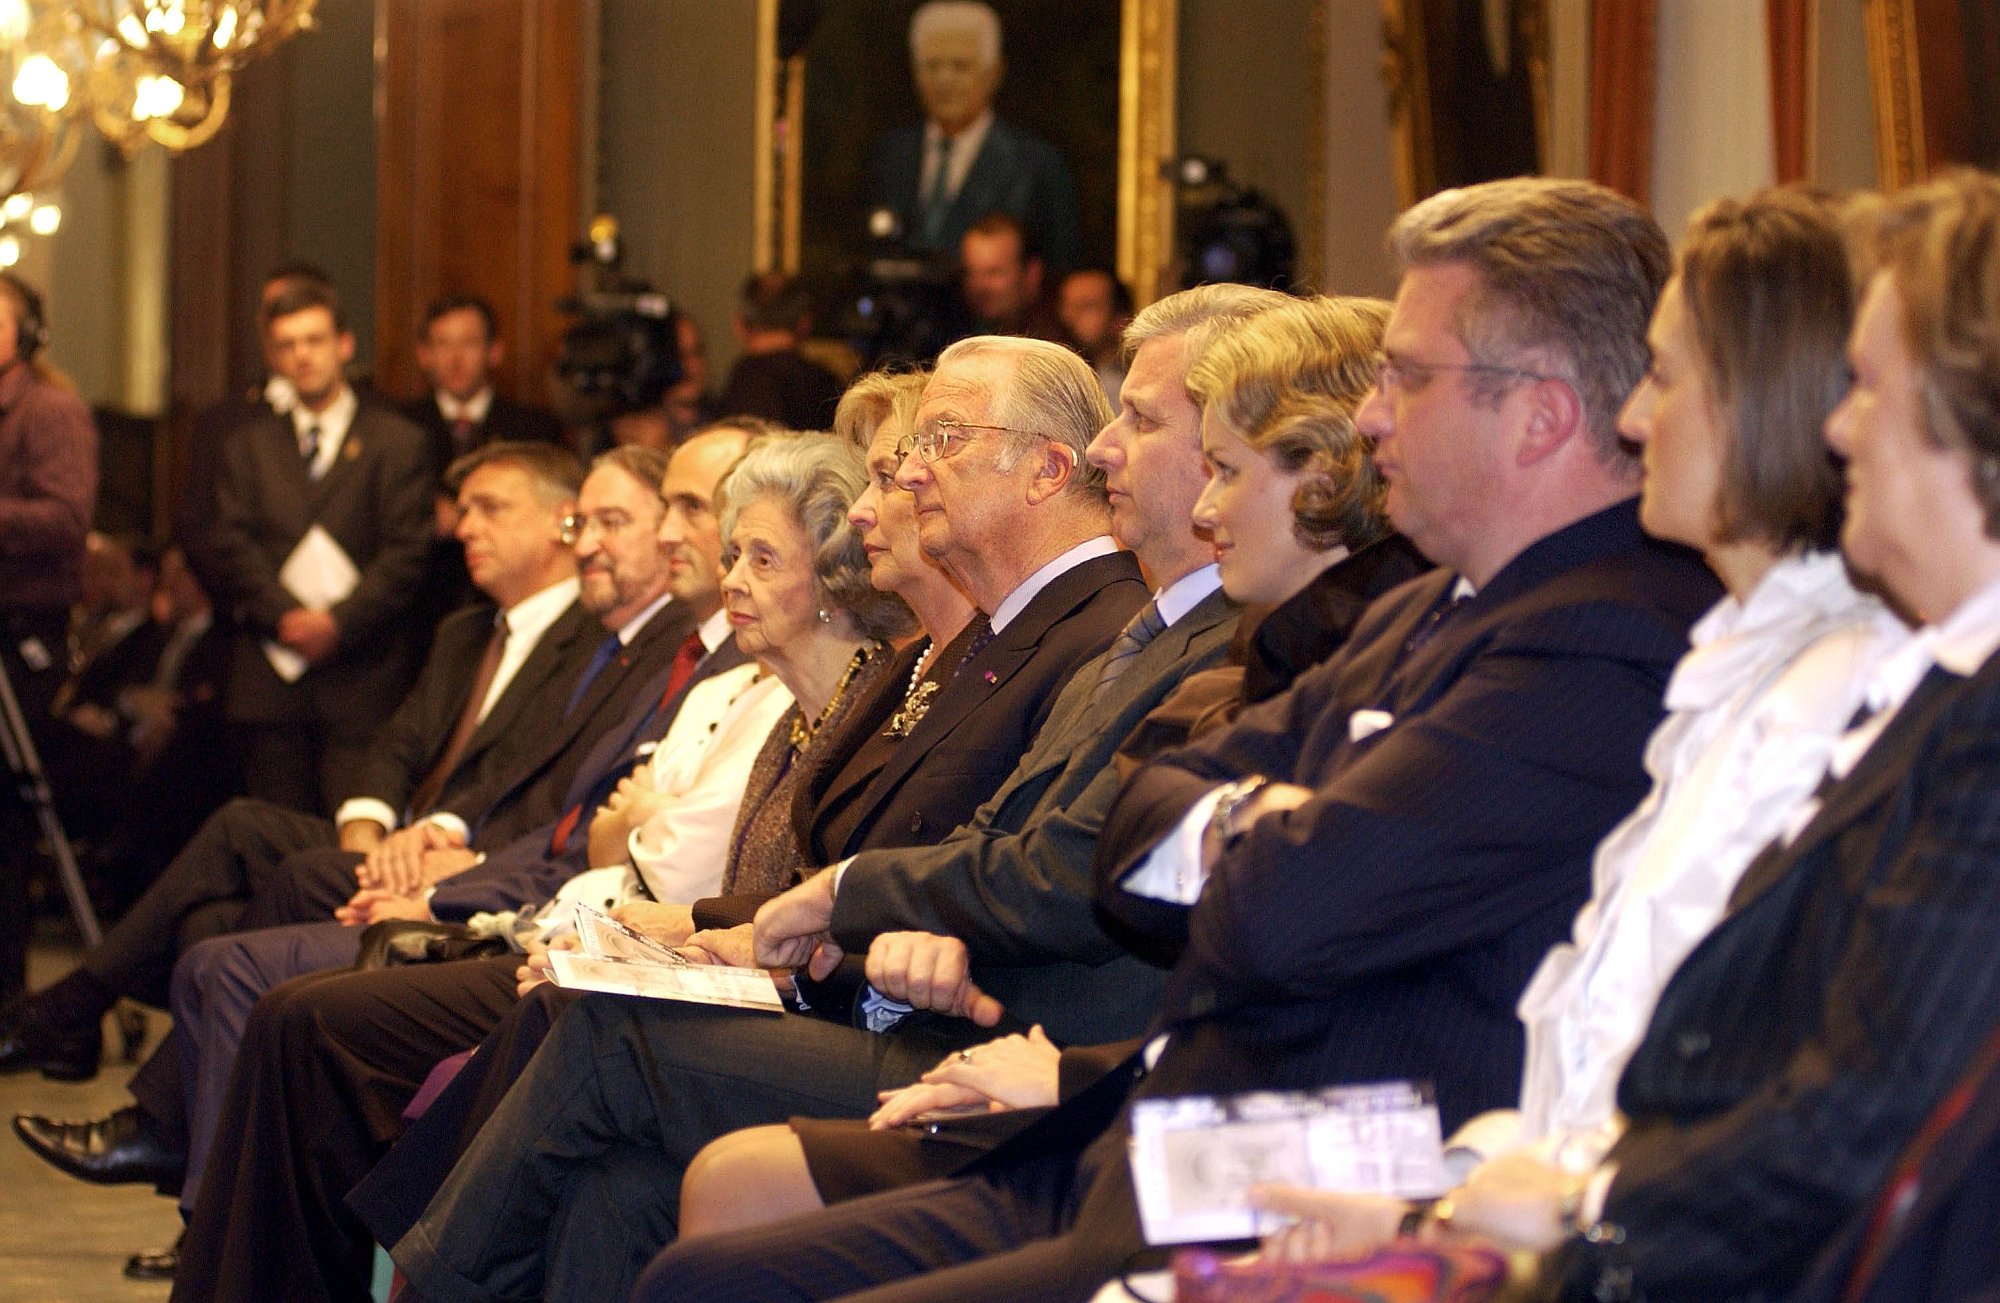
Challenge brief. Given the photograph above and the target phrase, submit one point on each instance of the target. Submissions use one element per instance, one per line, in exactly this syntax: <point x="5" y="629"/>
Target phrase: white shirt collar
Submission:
<point x="472" y="409"/>
<point x="1027" y="590"/>
<point x="532" y="616"/>
<point x="714" y="630"/>
<point x="333" y="425"/>
<point x="1187" y="592"/>
<point x="630" y="629"/>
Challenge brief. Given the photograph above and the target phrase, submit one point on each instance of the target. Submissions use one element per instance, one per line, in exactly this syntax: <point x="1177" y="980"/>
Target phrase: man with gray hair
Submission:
<point x="1010" y="490"/>
<point x="964" y="163"/>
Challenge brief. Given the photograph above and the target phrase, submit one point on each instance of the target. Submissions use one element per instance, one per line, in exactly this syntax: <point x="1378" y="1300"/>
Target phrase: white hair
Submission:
<point x="958" y="16"/>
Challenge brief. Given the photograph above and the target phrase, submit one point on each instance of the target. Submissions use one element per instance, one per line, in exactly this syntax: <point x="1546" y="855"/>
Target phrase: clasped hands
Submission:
<point x="396" y="868"/>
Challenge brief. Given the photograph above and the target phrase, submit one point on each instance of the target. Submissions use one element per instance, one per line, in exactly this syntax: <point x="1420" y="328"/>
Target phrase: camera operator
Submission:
<point x="48" y="490"/>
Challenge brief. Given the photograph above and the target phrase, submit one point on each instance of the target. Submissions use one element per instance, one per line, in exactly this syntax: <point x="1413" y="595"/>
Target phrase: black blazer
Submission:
<point x="1014" y="882"/>
<point x="375" y="500"/>
<point x="408" y="745"/>
<point x="1385" y="928"/>
<point x="505" y="420"/>
<point x="1937" y="1212"/>
<point x="1802" y="1042"/>
<point x="1016" y="173"/>
<point x="555" y="744"/>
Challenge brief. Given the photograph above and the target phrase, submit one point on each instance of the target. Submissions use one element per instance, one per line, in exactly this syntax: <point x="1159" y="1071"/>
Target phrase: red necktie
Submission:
<point x="685" y="660"/>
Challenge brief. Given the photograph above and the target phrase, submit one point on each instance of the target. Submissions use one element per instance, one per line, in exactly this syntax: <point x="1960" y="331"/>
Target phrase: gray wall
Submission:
<point x="675" y="147"/>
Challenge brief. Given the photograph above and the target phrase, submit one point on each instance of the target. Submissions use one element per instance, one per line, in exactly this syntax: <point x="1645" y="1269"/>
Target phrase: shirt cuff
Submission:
<point x="452" y="824"/>
<point x="365" y="807"/>
<point x="1172" y="870"/>
<point x="839" y="872"/>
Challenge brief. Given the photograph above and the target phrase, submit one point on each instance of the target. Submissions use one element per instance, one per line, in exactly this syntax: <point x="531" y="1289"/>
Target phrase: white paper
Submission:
<point x="601" y="936"/>
<point x="1195" y="1158"/>
<point x="738" y="988"/>
<point x="320" y="574"/>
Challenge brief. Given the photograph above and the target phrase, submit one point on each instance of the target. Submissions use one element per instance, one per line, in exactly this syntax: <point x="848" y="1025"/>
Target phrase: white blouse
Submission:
<point x="1753" y="712"/>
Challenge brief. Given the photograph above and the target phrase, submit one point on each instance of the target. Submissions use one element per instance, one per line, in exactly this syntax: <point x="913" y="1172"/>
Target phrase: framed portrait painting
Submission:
<point x="1074" y="121"/>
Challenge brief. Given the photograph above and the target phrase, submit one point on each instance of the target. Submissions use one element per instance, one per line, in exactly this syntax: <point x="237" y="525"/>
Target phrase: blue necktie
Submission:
<point x="610" y="648"/>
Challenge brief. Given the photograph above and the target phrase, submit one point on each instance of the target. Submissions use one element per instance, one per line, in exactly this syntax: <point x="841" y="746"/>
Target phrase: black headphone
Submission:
<point x="31" y="333"/>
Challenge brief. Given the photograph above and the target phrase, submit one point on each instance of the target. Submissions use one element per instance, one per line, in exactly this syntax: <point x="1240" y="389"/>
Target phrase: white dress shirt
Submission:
<point x="965" y="148"/>
<point x="527" y="620"/>
<point x="333" y="424"/>
<point x="1755" y="710"/>
<point x="470" y="410"/>
<point x="702" y="767"/>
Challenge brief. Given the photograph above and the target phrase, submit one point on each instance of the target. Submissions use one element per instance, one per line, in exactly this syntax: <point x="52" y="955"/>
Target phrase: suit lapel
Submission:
<point x="986" y="178"/>
<point x="979" y="678"/>
<point x="1073" y="713"/>
<point x="344" y="467"/>
<point x="551" y="651"/>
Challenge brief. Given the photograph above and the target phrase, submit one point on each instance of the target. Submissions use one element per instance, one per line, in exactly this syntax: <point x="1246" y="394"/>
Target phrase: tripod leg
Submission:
<point x="33" y="784"/>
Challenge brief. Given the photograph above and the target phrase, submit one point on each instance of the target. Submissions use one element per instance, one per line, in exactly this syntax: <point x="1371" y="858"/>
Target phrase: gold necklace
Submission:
<point x="803" y="732"/>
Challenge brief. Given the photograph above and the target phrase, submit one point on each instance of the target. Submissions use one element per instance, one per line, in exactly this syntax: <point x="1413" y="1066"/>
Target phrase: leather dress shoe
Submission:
<point x="28" y="1042"/>
<point x="155" y="1264"/>
<point x="117" y="1150"/>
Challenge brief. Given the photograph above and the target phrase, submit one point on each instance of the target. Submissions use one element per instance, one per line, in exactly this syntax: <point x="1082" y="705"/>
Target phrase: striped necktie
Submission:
<point x="1145" y="626"/>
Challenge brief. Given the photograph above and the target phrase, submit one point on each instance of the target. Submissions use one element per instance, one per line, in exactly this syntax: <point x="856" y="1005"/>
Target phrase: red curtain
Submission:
<point x="1621" y="95"/>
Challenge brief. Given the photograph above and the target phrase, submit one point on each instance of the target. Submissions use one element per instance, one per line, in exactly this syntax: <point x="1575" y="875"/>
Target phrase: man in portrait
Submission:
<point x="964" y="163"/>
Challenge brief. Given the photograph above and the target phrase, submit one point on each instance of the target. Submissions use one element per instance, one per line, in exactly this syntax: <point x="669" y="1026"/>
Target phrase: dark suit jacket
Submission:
<point x="375" y="500"/>
<point x="553" y="746"/>
<point x="983" y="721"/>
<point x="522" y="870"/>
<point x="1936" y="1237"/>
<point x="408" y="745"/>
<point x="1017" y="174"/>
<point x="1014" y="883"/>
<point x="505" y="420"/>
<point x="1385" y="928"/>
<point x="1802" y="1043"/>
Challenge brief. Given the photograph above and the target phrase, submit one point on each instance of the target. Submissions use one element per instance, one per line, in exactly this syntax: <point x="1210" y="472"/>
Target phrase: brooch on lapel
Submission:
<point x="916" y="704"/>
<point x="991" y="677"/>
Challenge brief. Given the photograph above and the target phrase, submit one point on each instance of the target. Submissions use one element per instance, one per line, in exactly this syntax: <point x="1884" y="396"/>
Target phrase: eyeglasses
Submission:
<point x="1392" y="373"/>
<point x="938" y="439"/>
<point x="608" y="523"/>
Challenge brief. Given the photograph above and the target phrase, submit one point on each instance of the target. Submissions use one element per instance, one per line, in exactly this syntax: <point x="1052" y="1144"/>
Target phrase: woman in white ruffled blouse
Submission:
<point x="1747" y="362"/>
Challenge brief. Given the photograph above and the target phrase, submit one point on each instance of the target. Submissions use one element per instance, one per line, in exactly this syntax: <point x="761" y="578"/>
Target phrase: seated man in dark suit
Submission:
<point x="964" y="163"/>
<point x="245" y="844"/>
<point x="1372" y="863"/>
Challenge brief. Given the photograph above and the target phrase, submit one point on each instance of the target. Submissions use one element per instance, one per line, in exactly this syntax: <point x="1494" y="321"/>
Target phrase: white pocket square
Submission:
<point x="1367" y="723"/>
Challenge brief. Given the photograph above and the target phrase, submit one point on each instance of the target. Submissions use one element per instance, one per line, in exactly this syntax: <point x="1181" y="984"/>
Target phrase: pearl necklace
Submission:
<point x="916" y="699"/>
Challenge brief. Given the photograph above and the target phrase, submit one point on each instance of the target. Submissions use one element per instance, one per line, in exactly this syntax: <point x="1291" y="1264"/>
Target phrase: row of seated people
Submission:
<point x="1369" y="850"/>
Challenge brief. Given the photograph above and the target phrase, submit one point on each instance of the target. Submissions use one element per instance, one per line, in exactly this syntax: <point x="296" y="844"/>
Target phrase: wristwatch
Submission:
<point x="1223" y="823"/>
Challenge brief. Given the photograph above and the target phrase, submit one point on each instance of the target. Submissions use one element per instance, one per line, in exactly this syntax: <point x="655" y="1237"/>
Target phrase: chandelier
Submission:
<point x="139" y="70"/>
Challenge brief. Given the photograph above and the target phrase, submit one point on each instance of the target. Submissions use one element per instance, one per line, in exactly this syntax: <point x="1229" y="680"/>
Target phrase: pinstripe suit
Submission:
<point x="1803" y="1042"/>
